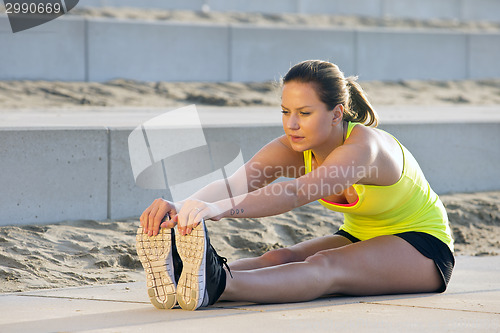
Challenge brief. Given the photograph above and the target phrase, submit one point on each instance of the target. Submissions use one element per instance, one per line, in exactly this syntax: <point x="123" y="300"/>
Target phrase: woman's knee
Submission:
<point x="328" y="263"/>
<point x="322" y="259"/>
<point x="279" y="256"/>
<point x="323" y="270"/>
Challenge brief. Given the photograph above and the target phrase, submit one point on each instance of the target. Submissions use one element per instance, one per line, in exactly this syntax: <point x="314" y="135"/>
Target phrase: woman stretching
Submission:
<point x="395" y="237"/>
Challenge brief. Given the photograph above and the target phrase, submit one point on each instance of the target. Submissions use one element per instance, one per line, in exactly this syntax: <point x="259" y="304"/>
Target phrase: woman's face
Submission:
<point x="307" y="122"/>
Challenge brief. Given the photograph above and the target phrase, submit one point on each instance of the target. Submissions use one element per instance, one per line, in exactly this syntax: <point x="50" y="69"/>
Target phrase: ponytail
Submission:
<point x="358" y="108"/>
<point x="333" y="89"/>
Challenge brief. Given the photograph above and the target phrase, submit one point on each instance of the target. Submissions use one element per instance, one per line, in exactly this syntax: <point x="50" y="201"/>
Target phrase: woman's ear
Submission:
<point x="338" y="114"/>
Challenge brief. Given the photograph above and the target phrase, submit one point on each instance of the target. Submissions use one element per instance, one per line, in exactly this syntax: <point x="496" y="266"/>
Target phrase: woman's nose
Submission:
<point x="293" y="122"/>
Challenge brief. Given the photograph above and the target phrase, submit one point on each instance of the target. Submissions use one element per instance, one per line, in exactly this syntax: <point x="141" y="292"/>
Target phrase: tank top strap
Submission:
<point x="350" y="126"/>
<point x="308" y="160"/>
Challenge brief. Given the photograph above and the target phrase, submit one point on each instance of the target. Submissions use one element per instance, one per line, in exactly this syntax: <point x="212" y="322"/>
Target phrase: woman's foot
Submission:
<point x="161" y="265"/>
<point x="203" y="278"/>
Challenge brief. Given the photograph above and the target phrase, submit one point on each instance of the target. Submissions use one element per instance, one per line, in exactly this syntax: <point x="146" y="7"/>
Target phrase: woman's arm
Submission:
<point x="344" y="167"/>
<point x="274" y="160"/>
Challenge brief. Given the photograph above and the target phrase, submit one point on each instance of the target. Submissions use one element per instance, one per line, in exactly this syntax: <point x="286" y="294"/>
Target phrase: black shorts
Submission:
<point x="430" y="246"/>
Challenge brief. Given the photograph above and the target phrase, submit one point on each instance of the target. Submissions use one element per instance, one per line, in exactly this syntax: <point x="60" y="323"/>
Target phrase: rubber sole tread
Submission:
<point x="155" y="255"/>
<point x="191" y="286"/>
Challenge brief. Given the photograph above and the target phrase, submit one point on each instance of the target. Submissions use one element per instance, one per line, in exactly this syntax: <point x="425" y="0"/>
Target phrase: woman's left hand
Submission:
<point x="192" y="212"/>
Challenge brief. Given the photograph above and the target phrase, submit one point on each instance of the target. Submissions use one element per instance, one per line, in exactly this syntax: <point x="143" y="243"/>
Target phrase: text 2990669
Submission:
<point x="46" y="7"/>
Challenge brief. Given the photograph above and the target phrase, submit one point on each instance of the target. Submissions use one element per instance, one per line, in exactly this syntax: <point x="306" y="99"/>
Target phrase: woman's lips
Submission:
<point x="296" y="138"/>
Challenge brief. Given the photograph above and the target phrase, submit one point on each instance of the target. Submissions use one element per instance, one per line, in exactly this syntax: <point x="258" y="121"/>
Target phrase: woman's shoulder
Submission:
<point x="385" y="150"/>
<point x="360" y="134"/>
<point x="370" y="135"/>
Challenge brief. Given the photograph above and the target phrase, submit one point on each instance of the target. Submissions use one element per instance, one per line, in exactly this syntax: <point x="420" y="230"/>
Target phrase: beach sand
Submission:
<point x="76" y="253"/>
<point x="281" y="19"/>
<point x="129" y="93"/>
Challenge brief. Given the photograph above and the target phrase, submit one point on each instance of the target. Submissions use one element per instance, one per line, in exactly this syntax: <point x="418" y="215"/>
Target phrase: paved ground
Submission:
<point x="471" y="304"/>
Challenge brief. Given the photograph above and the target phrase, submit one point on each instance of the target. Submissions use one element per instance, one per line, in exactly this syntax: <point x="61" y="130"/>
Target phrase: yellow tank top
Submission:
<point x="407" y="205"/>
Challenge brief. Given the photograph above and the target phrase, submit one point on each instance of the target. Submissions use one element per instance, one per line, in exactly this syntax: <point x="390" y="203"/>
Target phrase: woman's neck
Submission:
<point x="336" y="140"/>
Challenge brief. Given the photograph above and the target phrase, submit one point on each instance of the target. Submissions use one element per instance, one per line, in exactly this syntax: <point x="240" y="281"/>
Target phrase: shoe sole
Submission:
<point x="191" y="286"/>
<point x="155" y="255"/>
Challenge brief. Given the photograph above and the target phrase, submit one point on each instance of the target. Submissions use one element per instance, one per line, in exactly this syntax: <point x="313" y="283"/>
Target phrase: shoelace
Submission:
<point x="222" y="261"/>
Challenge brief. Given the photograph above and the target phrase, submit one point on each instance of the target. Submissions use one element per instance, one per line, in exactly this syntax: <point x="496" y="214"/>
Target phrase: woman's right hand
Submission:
<point x="160" y="213"/>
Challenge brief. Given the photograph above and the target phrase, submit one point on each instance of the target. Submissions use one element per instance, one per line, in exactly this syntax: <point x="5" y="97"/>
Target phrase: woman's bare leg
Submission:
<point x="294" y="253"/>
<point x="382" y="265"/>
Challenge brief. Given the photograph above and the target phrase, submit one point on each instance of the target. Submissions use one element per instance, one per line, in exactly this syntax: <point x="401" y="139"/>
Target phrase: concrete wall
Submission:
<point x="53" y="175"/>
<point x="455" y="157"/>
<point x="160" y="4"/>
<point x="423" y="9"/>
<point x="127" y="199"/>
<point x="395" y="55"/>
<point x="487" y="10"/>
<point x="484" y="51"/>
<point x="260" y="54"/>
<point x="159" y="51"/>
<point x="52" y="51"/>
<point x="50" y="175"/>
<point x="75" y="49"/>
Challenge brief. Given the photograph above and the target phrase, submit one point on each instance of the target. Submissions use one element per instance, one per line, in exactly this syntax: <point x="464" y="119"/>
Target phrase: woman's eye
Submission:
<point x="305" y="113"/>
<point x="284" y="111"/>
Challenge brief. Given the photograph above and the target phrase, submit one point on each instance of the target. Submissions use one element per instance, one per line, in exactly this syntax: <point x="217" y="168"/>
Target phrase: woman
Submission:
<point x="395" y="237"/>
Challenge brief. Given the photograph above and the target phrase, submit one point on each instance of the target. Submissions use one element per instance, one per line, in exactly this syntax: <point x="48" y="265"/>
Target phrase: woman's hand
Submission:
<point x="159" y="213"/>
<point x="192" y="212"/>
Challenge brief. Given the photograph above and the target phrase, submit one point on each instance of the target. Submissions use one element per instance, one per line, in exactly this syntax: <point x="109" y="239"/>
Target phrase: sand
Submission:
<point x="77" y="95"/>
<point x="282" y="19"/>
<point x="76" y="253"/>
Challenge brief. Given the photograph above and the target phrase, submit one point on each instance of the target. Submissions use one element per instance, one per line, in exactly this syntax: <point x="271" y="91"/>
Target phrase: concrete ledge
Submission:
<point x="53" y="174"/>
<point x="455" y="157"/>
<point x="159" y="4"/>
<point x="265" y="6"/>
<point x="52" y="51"/>
<point x="56" y="169"/>
<point x="264" y="53"/>
<point x="399" y="54"/>
<point x="423" y="9"/>
<point x="483" y="49"/>
<point x="476" y="10"/>
<point x="369" y="8"/>
<point x="74" y="49"/>
<point x="157" y="51"/>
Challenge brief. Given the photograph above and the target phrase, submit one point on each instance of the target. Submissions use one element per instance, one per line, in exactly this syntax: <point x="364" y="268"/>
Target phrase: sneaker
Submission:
<point x="203" y="278"/>
<point x="162" y="264"/>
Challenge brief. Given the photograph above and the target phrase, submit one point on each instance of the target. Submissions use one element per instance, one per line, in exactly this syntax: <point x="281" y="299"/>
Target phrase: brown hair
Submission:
<point x="333" y="89"/>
